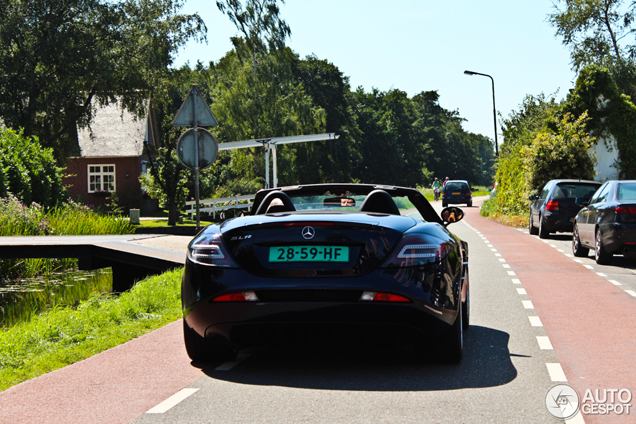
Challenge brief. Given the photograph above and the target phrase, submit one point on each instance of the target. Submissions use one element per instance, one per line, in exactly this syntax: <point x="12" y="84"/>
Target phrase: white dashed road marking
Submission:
<point x="535" y="321"/>
<point x="544" y="343"/>
<point x="556" y="372"/>
<point x="231" y="364"/>
<point x="172" y="401"/>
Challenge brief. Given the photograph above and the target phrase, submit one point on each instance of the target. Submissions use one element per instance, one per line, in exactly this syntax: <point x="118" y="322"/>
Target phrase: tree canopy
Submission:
<point x="60" y="58"/>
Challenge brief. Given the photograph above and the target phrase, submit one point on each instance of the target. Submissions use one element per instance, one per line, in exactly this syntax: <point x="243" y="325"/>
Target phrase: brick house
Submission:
<point x="112" y="159"/>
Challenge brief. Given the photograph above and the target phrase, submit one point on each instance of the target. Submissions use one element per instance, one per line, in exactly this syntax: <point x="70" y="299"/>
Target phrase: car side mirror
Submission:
<point x="452" y="214"/>
<point x="533" y="197"/>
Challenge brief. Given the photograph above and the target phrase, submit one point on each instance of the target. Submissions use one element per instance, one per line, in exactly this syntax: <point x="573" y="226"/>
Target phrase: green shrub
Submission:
<point x="28" y="170"/>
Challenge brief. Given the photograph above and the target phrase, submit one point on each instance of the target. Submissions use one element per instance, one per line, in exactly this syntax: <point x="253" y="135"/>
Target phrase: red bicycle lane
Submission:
<point x="590" y="322"/>
<point x="114" y="386"/>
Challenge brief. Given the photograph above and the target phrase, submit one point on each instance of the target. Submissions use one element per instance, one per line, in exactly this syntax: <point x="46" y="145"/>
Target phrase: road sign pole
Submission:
<point x="196" y="159"/>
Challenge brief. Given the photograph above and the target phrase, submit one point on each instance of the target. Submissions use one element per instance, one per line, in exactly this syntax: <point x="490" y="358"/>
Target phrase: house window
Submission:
<point x="101" y="178"/>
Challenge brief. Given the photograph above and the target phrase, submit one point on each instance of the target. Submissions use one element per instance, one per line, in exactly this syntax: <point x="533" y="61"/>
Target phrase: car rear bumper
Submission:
<point x="556" y="222"/>
<point x="457" y="199"/>
<point x="289" y="306"/>
<point x="620" y="238"/>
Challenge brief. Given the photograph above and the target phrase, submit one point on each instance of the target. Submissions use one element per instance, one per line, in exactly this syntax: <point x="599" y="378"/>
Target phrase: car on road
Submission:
<point x="607" y="223"/>
<point x="554" y="208"/>
<point x="328" y="259"/>
<point x="455" y="192"/>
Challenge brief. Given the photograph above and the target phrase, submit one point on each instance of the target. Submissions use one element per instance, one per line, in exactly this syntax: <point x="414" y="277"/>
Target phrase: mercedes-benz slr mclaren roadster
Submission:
<point x="367" y="260"/>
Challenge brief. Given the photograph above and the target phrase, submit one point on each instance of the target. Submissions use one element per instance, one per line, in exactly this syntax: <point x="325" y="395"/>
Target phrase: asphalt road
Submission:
<point x="538" y="318"/>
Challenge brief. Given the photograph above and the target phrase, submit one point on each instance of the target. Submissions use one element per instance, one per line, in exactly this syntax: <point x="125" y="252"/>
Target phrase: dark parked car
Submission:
<point x="456" y="191"/>
<point x="608" y="223"/>
<point x="555" y="207"/>
<point x="329" y="258"/>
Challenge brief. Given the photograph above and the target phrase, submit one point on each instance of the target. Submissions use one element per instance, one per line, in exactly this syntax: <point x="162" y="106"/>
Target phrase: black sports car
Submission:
<point x="607" y="223"/>
<point x="369" y="259"/>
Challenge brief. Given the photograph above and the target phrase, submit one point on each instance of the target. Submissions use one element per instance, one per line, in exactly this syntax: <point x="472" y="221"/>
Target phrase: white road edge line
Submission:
<point x="544" y="343"/>
<point x="231" y="364"/>
<point x="527" y="304"/>
<point x="516" y="281"/>
<point x="556" y="372"/>
<point x="535" y="321"/>
<point x="631" y="292"/>
<point x="172" y="401"/>
<point x="521" y="291"/>
<point x="616" y="283"/>
<point x="577" y="419"/>
<point x="588" y="266"/>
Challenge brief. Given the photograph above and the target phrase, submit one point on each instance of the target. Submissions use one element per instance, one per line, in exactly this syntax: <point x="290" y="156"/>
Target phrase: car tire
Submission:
<point x="531" y="228"/>
<point x="466" y="307"/>
<point x="578" y="250"/>
<point x="201" y="349"/>
<point x="600" y="254"/>
<point x="470" y="204"/>
<point x="543" y="232"/>
<point x="451" y="345"/>
<point x="444" y="204"/>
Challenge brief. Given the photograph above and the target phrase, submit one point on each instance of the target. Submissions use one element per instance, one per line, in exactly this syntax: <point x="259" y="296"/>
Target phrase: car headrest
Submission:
<point x="379" y="201"/>
<point x="286" y="206"/>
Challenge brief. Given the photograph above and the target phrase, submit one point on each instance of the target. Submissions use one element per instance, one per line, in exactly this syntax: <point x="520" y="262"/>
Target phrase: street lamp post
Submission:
<point x="494" y="110"/>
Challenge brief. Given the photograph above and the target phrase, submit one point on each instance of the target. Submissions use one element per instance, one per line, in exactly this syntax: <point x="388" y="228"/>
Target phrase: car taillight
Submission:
<point x="246" y="296"/>
<point x="625" y="210"/>
<point x="371" y="296"/>
<point x="625" y="214"/>
<point x="552" y="205"/>
<point x="416" y="249"/>
<point x="210" y="251"/>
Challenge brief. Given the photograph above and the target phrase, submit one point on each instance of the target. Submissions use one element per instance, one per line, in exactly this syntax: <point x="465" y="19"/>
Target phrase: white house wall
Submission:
<point x="607" y="157"/>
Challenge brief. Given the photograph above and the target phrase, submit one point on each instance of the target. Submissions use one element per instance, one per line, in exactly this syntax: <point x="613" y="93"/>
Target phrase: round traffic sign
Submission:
<point x="208" y="148"/>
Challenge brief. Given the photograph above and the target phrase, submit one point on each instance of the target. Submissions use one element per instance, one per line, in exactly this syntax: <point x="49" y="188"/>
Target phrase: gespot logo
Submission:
<point x="563" y="401"/>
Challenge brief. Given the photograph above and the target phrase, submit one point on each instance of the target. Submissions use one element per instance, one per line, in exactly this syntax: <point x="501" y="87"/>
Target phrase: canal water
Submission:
<point x="20" y="299"/>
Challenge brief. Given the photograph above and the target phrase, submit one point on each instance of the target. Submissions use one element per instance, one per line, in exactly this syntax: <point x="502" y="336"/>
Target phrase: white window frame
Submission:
<point x="104" y="178"/>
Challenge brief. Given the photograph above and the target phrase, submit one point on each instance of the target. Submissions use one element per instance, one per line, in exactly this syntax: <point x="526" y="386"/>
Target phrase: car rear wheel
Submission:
<point x="543" y="232"/>
<point x="201" y="349"/>
<point x="466" y="311"/>
<point x="600" y="254"/>
<point x="451" y="347"/>
<point x="531" y="228"/>
<point x="578" y="250"/>
<point x="470" y="204"/>
<point x="444" y="204"/>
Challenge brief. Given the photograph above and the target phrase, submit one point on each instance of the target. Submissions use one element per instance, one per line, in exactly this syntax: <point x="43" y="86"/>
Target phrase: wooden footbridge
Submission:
<point x="132" y="257"/>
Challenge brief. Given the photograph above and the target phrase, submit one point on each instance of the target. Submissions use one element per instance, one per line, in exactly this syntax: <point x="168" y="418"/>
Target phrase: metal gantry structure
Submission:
<point x="270" y="145"/>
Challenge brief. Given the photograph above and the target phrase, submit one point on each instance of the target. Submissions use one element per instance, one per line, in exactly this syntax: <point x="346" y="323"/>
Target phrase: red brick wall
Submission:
<point x="127" y="186"/>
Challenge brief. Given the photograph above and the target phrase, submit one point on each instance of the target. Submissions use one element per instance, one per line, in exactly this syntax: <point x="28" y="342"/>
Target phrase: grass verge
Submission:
<point x="487" y="209"/>
<point x="64" y="336"/>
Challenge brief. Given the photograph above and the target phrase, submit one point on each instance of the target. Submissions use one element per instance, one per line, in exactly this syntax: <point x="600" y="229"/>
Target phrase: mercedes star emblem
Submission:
<point x="308" y="233"/>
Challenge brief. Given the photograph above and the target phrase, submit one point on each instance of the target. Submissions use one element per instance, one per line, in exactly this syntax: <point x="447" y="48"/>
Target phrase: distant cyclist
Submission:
<point x="445" y="181"/>
<point x="436" y="188"/>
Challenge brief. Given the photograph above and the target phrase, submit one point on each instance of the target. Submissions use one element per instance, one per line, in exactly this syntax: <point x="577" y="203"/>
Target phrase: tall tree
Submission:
<point x="593" y="29"/>
<point x="263" y="32"/>
<point x="326" y="161"/>
<point x="60" y="58"/>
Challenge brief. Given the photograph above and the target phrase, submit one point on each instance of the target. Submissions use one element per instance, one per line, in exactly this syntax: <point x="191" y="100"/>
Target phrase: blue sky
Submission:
<point x="422" y="45"/>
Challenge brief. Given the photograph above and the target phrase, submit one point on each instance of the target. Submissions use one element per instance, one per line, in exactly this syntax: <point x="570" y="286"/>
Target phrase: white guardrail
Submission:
<point x="220" y="205"/>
